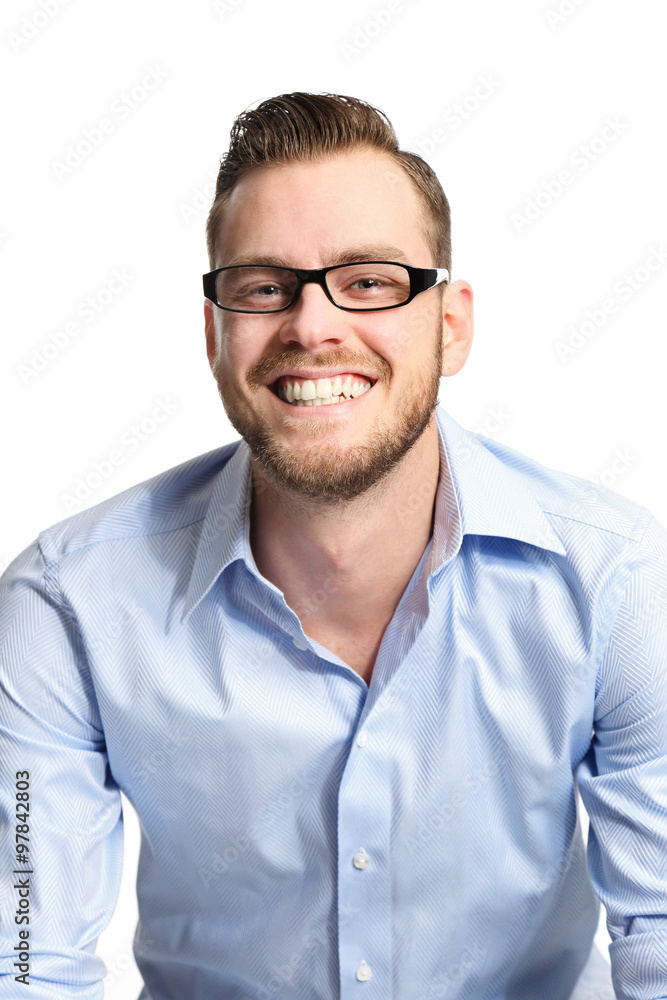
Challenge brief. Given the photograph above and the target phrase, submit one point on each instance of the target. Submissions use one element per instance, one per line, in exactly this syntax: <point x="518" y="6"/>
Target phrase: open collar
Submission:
<point x="478" y="493"/>
<point x="481" y="494"/>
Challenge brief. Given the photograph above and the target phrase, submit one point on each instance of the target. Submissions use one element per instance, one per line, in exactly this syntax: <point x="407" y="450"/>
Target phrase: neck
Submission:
<point x="360" y="554"/>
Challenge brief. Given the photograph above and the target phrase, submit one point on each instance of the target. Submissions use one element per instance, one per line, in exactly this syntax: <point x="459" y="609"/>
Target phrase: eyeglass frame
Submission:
<point x="421" y="279"/>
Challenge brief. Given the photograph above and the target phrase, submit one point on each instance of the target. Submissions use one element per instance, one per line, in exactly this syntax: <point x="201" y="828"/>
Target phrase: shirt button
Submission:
<point x="299" y="644"/>
<point x="363" y="738"/>
<point x="361" y="859"/>
<point x="364" y="972"/>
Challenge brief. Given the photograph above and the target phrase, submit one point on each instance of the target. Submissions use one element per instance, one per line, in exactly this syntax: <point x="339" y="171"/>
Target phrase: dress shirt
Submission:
<point x="304" y="835"/>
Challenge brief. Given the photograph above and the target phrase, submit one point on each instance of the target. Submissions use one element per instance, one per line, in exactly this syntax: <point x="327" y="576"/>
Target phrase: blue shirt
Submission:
<point x="305" y="835"/>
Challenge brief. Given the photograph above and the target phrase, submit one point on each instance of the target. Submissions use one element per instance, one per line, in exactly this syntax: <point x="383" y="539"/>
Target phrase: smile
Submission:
<point x="320" y="392"/>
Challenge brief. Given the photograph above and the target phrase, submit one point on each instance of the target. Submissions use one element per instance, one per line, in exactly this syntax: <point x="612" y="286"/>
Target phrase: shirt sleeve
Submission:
<point x="623" y="779"/>
<point x="61" y="827"/>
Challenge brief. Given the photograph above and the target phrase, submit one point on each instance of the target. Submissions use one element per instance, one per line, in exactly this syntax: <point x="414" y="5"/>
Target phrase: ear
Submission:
<point x="211" y="344"/>
<point x="458" y="328"/>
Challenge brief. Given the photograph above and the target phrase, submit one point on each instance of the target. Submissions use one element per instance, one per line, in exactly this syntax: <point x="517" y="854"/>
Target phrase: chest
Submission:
<point x="359" y="651"/>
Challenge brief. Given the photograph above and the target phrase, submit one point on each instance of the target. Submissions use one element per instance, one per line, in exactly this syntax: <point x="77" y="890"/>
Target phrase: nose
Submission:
<point x="314" y="320"/>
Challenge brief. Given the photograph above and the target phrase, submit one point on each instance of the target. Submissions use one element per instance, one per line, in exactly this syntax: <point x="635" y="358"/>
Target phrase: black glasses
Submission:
<point x="365" y="287"/>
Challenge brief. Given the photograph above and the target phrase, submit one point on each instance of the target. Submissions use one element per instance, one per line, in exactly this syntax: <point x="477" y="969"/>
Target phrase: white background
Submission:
<point x="137" y="204"/>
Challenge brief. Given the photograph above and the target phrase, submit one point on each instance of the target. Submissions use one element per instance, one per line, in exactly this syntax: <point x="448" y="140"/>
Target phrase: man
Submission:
<point x="350" y="668"/>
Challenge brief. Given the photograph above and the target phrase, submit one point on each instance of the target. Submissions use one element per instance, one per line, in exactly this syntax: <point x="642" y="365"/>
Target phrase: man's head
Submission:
<point x="300" y="128"/>
<point x="346" y="202"/>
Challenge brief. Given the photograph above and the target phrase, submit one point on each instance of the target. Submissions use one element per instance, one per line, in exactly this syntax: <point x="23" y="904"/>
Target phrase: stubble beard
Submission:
<point x="322" y="472"/>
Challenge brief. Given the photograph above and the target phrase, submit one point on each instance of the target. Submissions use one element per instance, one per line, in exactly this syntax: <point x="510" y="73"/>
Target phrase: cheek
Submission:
<point x="238" y="343"/>
<point x="404" y="338"/>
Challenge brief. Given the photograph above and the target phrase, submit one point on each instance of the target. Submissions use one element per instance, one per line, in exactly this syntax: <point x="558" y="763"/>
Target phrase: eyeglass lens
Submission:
<point x="356" y="286"/>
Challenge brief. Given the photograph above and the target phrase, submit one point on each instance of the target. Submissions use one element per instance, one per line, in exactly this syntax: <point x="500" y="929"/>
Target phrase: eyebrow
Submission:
<point x="350" y="255"/>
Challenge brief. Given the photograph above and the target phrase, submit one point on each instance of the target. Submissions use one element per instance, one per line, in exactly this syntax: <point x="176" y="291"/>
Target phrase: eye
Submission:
<point x="367" y="283"/>
<point x="261" y="289"/>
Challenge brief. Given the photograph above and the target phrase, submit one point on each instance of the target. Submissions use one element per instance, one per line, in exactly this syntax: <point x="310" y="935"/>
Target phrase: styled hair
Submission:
<point x="309" y="127"/>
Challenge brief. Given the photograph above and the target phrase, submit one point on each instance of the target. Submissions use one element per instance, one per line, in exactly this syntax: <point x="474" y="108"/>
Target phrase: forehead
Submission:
<point x="306" y="212"/>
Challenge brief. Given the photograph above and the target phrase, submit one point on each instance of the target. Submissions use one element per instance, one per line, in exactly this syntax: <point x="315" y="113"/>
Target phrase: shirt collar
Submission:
<point x="478" y="493"/>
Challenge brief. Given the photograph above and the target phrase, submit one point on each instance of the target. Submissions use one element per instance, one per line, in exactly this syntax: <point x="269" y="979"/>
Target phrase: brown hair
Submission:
<point x="300" y="127"/>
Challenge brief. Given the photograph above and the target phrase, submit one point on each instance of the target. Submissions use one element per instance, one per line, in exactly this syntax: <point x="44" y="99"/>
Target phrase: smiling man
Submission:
<point x="334" y="475"/>
<point x="351" y="668"/>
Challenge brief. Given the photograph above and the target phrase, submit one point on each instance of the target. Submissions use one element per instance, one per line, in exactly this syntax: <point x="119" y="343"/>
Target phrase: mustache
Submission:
<point x="263" y="370"/>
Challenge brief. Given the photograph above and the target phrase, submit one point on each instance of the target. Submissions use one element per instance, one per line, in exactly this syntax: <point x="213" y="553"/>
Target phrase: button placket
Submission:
<point x="365" y="941"/>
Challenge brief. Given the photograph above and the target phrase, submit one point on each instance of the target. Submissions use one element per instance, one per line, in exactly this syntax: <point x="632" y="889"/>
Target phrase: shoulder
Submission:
<point x="574" y="506"/>
<point x="171" y="500"/>
<point x="610" y="548"/>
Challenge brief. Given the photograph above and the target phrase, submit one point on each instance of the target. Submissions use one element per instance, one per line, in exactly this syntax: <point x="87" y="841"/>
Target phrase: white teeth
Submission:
<point x="323" y="392"/>
<point x="327" y="400"/>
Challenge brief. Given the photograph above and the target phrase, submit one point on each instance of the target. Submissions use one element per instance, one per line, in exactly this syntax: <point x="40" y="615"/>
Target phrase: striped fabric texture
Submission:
<point x="306" y="836"/>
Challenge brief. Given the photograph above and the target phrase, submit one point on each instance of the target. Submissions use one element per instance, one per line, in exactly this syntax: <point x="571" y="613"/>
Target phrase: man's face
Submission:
<point x="310" y="215"/>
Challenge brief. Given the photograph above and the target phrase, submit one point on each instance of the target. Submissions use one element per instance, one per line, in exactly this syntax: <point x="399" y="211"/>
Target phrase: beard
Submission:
<point x="321" y="471"/>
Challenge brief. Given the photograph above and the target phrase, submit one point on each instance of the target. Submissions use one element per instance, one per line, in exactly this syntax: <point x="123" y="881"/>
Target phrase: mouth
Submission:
<point x="333" y="391"/>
